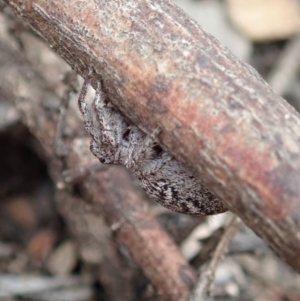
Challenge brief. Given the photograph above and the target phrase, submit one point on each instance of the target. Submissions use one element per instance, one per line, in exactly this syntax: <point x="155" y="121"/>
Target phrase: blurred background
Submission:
<point x="57" y="248"/>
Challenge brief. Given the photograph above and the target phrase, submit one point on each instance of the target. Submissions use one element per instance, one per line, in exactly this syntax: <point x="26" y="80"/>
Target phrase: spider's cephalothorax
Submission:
<point x="115" y="141"/>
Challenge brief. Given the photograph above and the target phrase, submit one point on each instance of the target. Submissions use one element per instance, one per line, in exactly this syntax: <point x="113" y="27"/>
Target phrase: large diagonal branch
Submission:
<point x="216" y="113"/>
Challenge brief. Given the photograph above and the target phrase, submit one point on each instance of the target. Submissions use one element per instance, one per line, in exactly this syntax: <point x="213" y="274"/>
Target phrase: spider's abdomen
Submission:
<point x="176" y="189"/>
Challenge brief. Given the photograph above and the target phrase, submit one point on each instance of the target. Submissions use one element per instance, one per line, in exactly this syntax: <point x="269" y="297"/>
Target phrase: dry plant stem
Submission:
<point x="287" y="66"/>
<point x="206" y="278"/>
<point x="111" y="192"/>
<point x="216" y="114"/>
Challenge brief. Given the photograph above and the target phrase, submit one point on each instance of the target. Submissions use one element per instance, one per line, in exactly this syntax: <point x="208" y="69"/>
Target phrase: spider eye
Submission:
<point x="126" y="134"/>
<point x="102" y="160"/>
<point x="157" y="151"/>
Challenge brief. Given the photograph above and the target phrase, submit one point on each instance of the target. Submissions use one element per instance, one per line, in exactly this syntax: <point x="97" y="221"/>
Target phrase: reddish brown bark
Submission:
<point x="217" y="115"/>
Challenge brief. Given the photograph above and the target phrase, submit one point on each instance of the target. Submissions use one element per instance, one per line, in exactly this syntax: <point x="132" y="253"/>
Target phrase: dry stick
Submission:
<point x="206" y="278"/>
<point x="111" y="193"/>
<point x="286" y="67"/>
<point x="217" y="115"/>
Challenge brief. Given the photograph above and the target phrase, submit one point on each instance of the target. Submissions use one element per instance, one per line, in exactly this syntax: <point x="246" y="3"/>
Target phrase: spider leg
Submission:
<point x="91" y="125"/>
<point x="84" y="108"/>
<point x="147" y="143"/>
<point x="112" y="123"/>
<point x="150" y="154"/>
<point x="153" y="166"/>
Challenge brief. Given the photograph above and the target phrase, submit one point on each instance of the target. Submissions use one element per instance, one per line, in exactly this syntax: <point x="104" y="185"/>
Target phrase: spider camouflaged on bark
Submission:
<point x="166" y="180"/>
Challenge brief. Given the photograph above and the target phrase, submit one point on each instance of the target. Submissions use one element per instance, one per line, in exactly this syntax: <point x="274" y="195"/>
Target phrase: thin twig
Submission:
<point x="206" y="279"/>
<point x="286" y="67"/>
